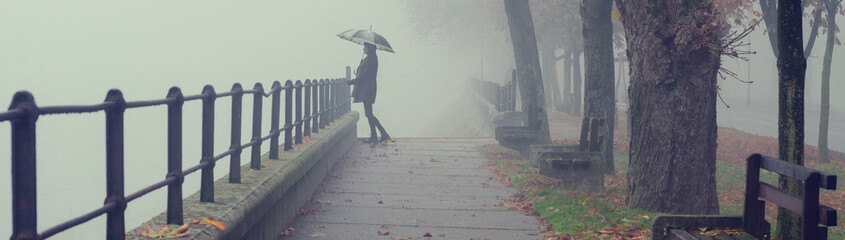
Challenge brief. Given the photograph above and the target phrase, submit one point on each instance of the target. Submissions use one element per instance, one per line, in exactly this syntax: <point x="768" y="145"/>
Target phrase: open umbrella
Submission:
<point x="361" y="36"/>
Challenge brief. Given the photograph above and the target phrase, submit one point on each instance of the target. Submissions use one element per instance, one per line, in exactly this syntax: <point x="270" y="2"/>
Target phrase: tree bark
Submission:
<point x="527" y="65"/>
<point x="576" y="84"/>
<point x="600" y="97"/>
<point x="566" y="102"/>
<point x="672" y="107"/>
<point x="824" y="112"/>
<point x="792" y="66"/>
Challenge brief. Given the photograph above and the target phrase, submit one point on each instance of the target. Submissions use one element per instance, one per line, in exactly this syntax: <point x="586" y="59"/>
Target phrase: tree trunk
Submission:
<point x="672" y="107"/>
<point x="527" y="65"/>
<point x="600" y="97"/>
<point x="566" y="102"/>
<point x="824" y="112"/>
<point x="576" y="84"/>
<point x="550" y="74"/>
<point x="791" y="69"/>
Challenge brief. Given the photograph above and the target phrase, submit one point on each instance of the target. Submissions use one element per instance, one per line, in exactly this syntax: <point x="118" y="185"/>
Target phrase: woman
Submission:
<point x="365" y="91"/>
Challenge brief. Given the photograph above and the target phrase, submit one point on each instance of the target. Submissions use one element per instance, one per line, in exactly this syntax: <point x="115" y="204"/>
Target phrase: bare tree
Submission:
<point x="831" y="8"/>
<point x="600" y="92"/>
<point x="792" y="65"/>
<point x="521" y="27"/>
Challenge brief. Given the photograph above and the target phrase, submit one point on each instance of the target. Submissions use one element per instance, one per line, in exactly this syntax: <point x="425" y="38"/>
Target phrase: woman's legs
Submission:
<point x="374" y="123"/>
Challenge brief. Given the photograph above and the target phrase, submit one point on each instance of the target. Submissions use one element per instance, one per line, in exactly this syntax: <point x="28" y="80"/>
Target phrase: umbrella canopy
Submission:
<point x="366" y="36"/>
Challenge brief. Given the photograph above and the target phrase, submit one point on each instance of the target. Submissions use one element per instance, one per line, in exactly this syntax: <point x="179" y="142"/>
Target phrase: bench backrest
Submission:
<point x="812" y="213"/>
<point x="590" y="139"/>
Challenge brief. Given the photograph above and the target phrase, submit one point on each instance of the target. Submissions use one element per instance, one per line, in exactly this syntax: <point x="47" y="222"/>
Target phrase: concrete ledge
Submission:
<point x="267" y="200"/>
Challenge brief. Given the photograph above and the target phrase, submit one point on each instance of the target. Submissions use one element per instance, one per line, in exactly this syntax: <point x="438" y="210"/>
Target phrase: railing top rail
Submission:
<point x="70" y="109"/>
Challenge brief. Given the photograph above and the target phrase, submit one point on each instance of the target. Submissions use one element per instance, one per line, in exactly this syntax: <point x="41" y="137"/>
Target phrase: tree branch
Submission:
<point x="769" y="10"/>
<point x="811" y="41"/>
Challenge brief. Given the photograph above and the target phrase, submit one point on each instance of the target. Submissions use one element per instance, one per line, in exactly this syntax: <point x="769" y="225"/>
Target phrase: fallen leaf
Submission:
<point x="212" y="222"/>
<point x="287" y="232"/>
<point x="317" y="235"/>
<point x="383" y="233"/>
<point x="165" y="232"/>
<point x="427" y="235"/>
<point x="441" y="235"/>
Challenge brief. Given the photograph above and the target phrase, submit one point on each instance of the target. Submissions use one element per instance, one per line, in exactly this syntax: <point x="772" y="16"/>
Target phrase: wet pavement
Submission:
<point x="413" y="189"/>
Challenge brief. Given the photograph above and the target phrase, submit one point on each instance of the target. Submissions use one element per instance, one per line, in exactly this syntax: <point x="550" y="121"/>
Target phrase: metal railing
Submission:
<point x="507" y="95"/>
<point x="325" y="100"/>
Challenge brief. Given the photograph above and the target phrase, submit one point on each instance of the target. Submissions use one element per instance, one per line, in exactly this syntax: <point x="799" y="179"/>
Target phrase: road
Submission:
<point x="765" y="123"/>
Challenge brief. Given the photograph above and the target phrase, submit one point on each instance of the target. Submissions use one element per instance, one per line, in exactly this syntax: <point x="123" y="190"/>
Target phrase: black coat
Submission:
<point x="365" y="80"/>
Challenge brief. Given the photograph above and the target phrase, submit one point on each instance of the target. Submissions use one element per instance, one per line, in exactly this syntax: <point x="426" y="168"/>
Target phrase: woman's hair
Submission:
<point x="370" y="46"/>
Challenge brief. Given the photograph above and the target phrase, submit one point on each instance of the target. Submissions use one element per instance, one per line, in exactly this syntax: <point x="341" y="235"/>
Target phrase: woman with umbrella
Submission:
<point x="365" y="91"/>
<point x="365" y="78"/>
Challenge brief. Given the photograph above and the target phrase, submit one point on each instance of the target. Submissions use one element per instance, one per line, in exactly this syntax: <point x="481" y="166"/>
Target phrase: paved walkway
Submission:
<point x="411" y="187"/>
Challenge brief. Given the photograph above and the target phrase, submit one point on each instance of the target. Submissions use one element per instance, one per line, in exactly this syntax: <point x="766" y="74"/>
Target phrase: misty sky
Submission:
<point x="72" y="52"/>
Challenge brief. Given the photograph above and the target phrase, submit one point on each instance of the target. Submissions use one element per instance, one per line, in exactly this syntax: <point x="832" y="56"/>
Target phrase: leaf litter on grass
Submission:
<point x="617" y="221"/>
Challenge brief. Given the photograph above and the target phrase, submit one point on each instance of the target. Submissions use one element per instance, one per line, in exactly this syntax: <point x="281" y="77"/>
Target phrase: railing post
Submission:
<point x="174" y="156"/>
<point x="24" y="208"/>
<point x="258" y="95"/>
<point x="274" y="120"/>
<point x="315" y="86"/>
<point x="332" y="99"/>
<point x="207" y="178"/>
<point x="115" y="227"/>
<point x="347" y="99"/>
<point x="513" y="91"/>
<point x="307" y="117"/>
<point x="288" y="115"/>
<point x="235" y="157"/>
<point x="500" y="99"/>
<point x="328" y="97"/>
<point x="298" y="115"/>
<point x="323" y="103"/>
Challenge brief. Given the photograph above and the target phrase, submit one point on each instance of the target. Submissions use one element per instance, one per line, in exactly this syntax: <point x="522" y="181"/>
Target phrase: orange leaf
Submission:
<point x="212" y="222"/>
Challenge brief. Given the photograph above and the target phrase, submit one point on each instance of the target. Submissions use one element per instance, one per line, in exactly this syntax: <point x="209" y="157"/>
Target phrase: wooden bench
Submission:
<point x="752" y="221"/>
<point x="519" y="138"/>
<point x="579" y="166"/>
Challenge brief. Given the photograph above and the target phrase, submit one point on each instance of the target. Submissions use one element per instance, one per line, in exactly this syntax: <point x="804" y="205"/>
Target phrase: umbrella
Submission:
<point x="361" y="36"/>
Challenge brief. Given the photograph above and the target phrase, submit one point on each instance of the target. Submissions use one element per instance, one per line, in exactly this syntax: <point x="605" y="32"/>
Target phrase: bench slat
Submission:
<point x="785" y="168"/>
<point x="826" y="181"/>
<point x="781" y="198"/>
<point x="827" y="216"/>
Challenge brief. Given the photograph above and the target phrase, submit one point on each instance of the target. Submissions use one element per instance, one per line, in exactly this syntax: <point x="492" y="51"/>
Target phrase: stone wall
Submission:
<point x="267" y="200"/>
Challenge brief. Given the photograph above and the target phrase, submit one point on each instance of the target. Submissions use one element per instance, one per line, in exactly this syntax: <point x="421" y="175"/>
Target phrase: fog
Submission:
<point x="72" y="53"/>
